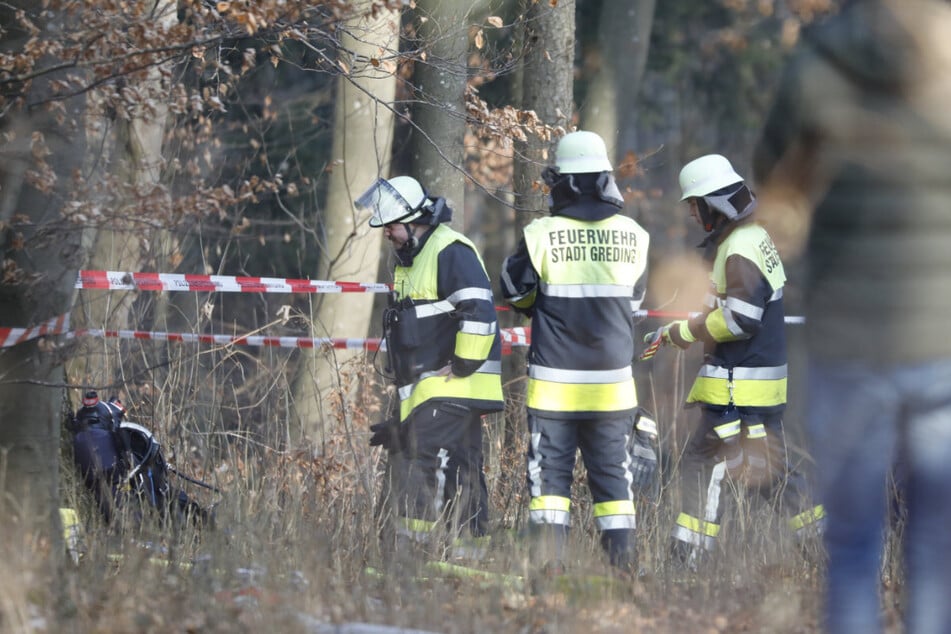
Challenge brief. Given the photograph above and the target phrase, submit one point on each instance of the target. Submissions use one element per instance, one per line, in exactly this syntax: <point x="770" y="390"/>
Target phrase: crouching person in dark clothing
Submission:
<point x="98" y="449"/>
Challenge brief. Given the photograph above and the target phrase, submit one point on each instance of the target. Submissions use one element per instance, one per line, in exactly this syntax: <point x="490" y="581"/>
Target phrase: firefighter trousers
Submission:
<point x="436" y="482"/>
<point x="551" y="456"/>
<point x="735" y="446"/>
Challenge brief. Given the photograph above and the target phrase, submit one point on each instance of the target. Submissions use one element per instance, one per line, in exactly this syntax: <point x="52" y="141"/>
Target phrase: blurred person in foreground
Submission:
<point x="580" y="273"/>
<point x="444" y="347"/>
<point x="857" y="150"/>
<point x="741" y="388"/>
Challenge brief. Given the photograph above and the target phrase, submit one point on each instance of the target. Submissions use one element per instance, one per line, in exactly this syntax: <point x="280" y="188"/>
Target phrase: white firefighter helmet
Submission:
<point x="582" y="152"/>
<point x="706" y="175"/>
<point x="398" y="199"/>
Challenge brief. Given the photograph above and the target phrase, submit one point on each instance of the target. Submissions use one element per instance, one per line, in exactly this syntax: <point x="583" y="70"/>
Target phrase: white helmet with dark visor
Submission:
<point x="399" y="199"/>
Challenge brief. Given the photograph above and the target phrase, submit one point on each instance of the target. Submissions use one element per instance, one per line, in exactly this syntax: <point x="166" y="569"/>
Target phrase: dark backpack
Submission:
<point x="148" y="475"/>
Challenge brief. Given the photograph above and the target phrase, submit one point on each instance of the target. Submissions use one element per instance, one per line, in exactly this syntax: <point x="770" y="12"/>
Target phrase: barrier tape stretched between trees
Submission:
<point x="126" y="280"/>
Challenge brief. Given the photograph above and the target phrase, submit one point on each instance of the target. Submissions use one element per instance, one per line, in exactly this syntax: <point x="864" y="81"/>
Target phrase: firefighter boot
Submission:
<point x="547" y="554"/>
<point x="621" y="547"/>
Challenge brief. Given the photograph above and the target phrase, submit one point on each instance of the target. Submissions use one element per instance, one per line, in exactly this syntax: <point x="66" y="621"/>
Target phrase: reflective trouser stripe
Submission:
<point x="696" y="532"/>
<point x="439" y="500"/>
<point x="617" y="514"/>
<point x="549" y="509"/>
<point x="417" y="530"/>
<point x="807" y="518"/>
<point x="703" y="532"/>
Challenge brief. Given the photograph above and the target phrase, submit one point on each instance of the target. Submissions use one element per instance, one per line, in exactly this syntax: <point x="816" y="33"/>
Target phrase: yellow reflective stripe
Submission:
<point x="698" y="526"/>
<point x="581" y="397"/>
<point x="471" y="346"/>
<point x="684" y="331"/>
<point x="717" y="326"/>
<point x="756" y="431"/>
<point x="525" y="301"/>
<point x="550" y="503"/>
<point x="807" y="517"/>
<point x="416" y="526"/>
<point x="480" y="386"/>
<point x="748" y="392"/>
<point x="614" y="507"/>
<point x="728" y="430"/>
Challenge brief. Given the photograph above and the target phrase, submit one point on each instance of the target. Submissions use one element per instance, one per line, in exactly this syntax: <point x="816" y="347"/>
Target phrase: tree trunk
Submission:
<point x="547" y="85"/>
<point x="610" y="104"/>
<point x="135" y="157"/>
<point x="547" y="89"/>
<point x="363" y="132"/>
<point x="46" y="254"/>
<point x="439" y="82"/>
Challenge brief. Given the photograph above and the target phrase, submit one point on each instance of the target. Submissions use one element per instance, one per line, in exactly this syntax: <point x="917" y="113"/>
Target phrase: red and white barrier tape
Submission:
<point x="518" y="336"/>
<point x="12" y="336"/>
<point x="509" y="338"/>
<point x="238" y="340"/>
<point x="131" y="281"/>
<point x="119" y="280"/>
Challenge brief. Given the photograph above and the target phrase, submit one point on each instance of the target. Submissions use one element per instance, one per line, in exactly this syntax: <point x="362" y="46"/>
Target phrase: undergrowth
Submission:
<point x="295" y="544"/>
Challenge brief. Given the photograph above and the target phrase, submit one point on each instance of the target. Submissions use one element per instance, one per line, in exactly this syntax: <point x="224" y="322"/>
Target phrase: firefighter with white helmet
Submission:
<point x="580" y="273"/>
<point x="444" y="348"/>
<point x="741" y="388"/>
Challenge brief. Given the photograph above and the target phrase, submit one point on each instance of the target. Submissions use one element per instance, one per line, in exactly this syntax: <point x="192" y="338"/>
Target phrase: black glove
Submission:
<point x="386" y="434"/>
<point x="643" y="448"/>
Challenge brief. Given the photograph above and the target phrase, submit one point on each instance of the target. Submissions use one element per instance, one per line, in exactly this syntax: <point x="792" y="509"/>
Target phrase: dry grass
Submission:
<point x="296" y="537"/>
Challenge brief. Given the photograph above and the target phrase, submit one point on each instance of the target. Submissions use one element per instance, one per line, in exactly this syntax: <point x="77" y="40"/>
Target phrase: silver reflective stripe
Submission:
<point x="548" y="516"/>
<point x="728" y="429"/>
<point x="535" y="468"/>
<point x="628" y="459"/>
<point x="489" y="367"/>
<point x="746" y="309"/>
<point x="684" y="534"/>
<point x="636" y="305"/>
<point x="586" y="290"/>
<point x="507" y="284"/>
<point x="579" y="376"/>
<point x="477" y="327"/>
<point x="768" y="373"/>
<point x="616" y="522"/>
<point x="472" y="292"/>
<point x="713" y="493"/>
<point x="731" y="324"/>
<point x="777" y="294"/>
<point x="439" y="500"/>
<point x="436" y="308"/>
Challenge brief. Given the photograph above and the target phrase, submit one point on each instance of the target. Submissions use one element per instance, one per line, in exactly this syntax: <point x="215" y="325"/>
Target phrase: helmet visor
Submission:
<point x="734" y="205"/>
<point x="385" y="203"/>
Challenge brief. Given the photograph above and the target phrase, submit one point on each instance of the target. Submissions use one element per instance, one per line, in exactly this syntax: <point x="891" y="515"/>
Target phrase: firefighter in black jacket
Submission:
<point x="741" y="388"/>
<point x="443" y="341"/>
<point x="580" y="274"/>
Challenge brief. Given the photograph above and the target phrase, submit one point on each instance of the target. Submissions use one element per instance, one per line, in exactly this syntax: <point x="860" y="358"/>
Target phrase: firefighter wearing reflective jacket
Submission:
<point x="443" y="342"/>
<point x="741" y="387"/>
<point x="580" y="274"/>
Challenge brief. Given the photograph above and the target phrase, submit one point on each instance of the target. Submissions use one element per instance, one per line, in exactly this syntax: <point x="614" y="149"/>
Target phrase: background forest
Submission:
<point x="231" y="138"/>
